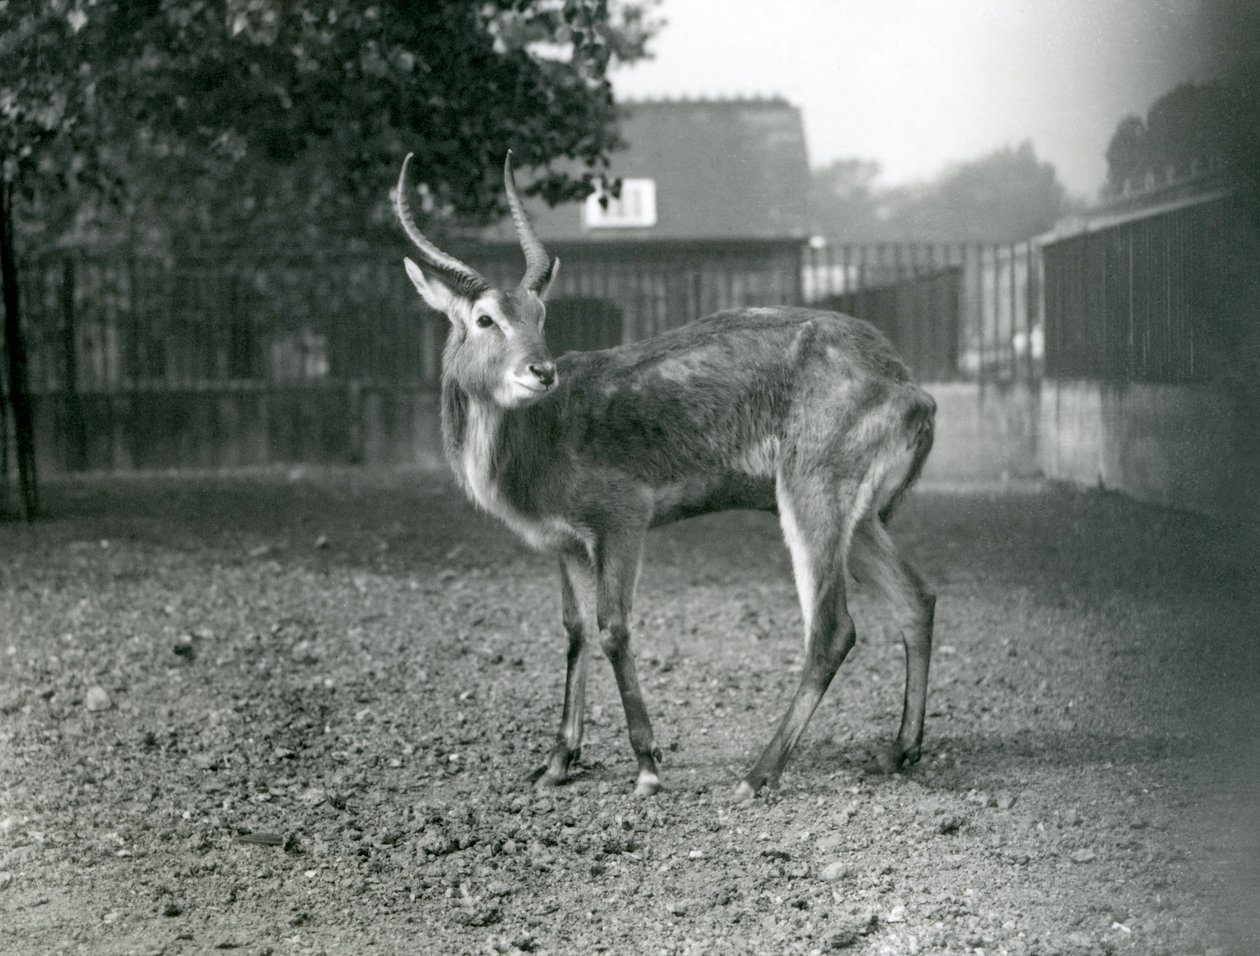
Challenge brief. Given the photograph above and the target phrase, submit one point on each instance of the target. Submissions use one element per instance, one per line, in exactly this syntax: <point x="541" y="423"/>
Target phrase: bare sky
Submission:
<point x="918" y="84"/>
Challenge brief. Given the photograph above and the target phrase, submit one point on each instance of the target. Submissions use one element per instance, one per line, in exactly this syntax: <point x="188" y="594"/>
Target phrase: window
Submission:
<point x="636" y="207"/>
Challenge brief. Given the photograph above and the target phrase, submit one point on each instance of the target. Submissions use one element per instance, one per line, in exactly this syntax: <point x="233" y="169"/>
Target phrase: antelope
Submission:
<point x="807" y="414"/>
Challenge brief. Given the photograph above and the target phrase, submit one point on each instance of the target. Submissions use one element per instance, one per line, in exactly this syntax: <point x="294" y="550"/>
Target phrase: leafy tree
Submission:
<point x="182" y="122"/>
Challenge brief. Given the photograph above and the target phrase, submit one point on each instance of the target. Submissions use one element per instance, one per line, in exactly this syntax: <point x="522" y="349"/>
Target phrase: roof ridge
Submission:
<point x="734" y="99"/>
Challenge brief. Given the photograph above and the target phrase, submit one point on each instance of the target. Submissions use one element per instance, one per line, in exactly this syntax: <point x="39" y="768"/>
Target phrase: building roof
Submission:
<point x="723" y="169"/>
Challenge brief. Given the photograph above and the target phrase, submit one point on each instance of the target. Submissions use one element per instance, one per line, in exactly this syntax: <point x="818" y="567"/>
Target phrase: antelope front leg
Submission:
<point x="577" y="591"/>
<point x="617" y="571"/>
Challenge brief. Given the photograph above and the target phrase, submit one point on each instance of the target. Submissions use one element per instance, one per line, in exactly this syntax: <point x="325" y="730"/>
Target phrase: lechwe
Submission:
<point x="808" y="414"/>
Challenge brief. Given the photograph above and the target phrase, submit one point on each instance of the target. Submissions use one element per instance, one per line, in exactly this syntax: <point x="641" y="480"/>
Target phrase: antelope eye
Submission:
<point x="484" y="321"/>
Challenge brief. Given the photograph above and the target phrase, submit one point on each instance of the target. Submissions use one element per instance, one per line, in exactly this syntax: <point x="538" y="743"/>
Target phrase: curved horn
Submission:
<point x="537" y="262"/>
<point x="463" y="278"/>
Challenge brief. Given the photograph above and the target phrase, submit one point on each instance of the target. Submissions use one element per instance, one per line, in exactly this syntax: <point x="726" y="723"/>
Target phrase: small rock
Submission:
<point x="834" y="871"/>
<point x="678" y="907"/>
<point x="949" y="824"/>
<point x="6" y="880"/>
<point x="304" y="652"/>
<point x="1005" y="799"/>
<point x="1083" y="856"/>
<point x="1071" y="817"/>
<point x="896" y="915"/>
<point x="321" y="542"/>
<point x="261" y="838"/>
<point x="97" y="699"/>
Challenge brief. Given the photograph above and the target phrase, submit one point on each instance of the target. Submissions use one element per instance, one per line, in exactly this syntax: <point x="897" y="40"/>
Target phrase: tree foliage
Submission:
<point x="1006" y="195"/>
<point x="238" y="117"/>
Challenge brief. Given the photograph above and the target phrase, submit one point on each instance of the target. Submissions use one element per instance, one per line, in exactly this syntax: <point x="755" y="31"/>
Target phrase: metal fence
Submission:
<point x="125" y="324"/>
<point x="1143" y="296"/>
<point x="286" y="358"/>
<point x="968" y="311"/>
<point x="248" y="360"/>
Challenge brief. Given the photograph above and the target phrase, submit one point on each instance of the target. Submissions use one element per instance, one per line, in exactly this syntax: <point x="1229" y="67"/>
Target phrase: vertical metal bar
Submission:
<point x="1009" y="339"/>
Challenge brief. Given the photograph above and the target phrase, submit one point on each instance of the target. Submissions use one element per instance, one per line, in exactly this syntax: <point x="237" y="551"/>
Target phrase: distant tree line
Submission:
<point x="1006" y="195"/>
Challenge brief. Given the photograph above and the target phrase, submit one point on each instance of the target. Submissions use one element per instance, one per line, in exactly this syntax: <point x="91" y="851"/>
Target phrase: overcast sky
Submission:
<point x="918" y="84"/>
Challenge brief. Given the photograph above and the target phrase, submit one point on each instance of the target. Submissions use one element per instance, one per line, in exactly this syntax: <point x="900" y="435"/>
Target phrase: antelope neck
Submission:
<point x="487" y="446"/>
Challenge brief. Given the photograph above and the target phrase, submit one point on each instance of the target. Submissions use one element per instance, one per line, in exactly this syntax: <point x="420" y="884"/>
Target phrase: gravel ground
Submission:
<point x="296" y="713"/>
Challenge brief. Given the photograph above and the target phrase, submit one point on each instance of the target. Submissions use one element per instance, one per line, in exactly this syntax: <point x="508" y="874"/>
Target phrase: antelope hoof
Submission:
<point x="648" y="785"/>
<point x="895" y="757"/>
<point x="744" y="791"/>
<point x="545" y="779"/>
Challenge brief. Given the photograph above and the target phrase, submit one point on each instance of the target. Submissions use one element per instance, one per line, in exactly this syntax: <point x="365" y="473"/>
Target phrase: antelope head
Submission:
<point x="496" y="351"/>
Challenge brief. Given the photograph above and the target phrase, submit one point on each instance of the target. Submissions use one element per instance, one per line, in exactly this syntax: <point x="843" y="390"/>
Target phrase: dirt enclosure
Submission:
<point x="296" y="713"/>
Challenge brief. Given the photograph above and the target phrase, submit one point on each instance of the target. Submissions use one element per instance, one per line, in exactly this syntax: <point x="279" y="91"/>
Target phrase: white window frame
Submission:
<point x="635" y="209"/>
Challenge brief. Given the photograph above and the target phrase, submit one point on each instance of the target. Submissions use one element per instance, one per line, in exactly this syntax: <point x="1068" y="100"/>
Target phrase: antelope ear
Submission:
<point x="439" y="296"/>
<point x="549" y="278"/>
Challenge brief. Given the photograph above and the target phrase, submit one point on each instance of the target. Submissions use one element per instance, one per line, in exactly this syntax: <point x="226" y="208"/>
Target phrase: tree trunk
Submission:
<point x="19" y="400"/>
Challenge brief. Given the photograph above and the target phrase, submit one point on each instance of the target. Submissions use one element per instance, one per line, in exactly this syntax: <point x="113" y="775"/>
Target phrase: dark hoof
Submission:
<point x="895" y="758"/>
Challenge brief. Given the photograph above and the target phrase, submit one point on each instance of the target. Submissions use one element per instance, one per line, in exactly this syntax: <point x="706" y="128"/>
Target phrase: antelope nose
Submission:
<point x="545" y="373"/>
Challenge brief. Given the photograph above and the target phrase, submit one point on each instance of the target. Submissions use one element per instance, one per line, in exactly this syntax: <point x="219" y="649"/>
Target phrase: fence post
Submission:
<point x="354" y="417"/>
<point x="18" y="392"/>
<point x="76" y="427"/>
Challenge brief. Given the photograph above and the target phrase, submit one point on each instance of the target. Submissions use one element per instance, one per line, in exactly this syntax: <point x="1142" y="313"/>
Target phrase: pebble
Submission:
<point x="97" y="699"/>
<point x="1005" y="799"/>
<point x="834" y="871"/>
<point x="678" y="907"/>
<point x="1083" y="856"/>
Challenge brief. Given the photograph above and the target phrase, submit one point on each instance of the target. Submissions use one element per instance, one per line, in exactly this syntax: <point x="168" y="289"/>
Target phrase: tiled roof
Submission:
<point x="723" y="169"/>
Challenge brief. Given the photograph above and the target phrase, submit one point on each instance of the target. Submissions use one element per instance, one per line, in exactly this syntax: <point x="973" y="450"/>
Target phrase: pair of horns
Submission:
<point x="465" y="279"/>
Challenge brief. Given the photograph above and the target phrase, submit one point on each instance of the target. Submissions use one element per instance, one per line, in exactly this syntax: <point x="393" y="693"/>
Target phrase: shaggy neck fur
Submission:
<point x="502" y="458"/>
